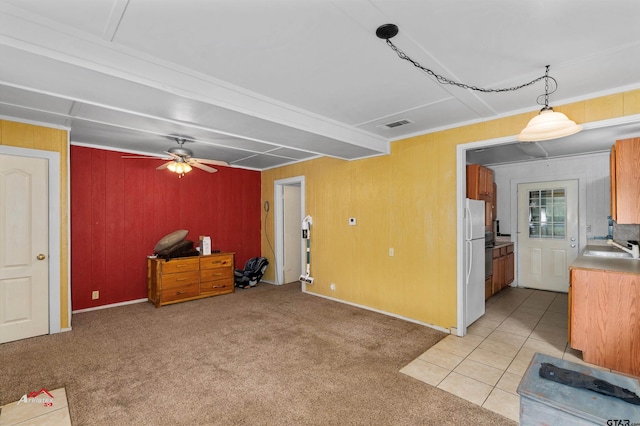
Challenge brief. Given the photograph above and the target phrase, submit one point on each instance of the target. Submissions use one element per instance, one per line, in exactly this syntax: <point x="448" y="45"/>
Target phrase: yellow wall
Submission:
<point x="405" y="200"/>
<point x="47" y="139"/>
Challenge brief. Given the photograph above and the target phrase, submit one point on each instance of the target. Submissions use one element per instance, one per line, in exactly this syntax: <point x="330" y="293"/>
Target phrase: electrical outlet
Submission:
<point x="391" y="251"/>
<point x="352" y="221"/>
<point x="95" y="295"/>
<point x="332" y="287"/>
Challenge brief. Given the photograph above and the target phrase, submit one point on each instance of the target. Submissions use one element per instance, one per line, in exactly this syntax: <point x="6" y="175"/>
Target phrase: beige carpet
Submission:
<point x="262" y="356"/>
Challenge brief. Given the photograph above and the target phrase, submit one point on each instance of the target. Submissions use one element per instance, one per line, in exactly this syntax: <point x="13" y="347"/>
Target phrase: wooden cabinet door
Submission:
<point x="488" y="289"/>
<point x="473" y="182"/>
<point x="488" y="213"/>
<point x="509" y="269"/>
<point x="627" y="181"/>
<point x="612" y="182"/>
<point x="569" y="308"/>
<point x="486" y="179"/>
<point x="502" y="271"/>
<point x="498" y="274"/>
<point x="479" y="182"/>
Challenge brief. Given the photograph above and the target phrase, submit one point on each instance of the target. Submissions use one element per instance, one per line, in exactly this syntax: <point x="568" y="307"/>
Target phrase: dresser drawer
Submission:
<point x="179" y="293"/>
<point x="216" y="287"/>
<point x="179" y="265"/>
<point x="180" y="280"/>
<point x="216" y="261"/>
<point x="216" y="274"/>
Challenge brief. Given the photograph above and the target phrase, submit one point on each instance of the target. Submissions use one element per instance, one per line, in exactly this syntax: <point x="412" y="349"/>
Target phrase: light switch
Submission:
<point x="352" y="221"/>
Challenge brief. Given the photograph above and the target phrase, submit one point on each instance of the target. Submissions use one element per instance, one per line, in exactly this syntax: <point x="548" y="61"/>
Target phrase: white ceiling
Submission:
<point x="262" y="83"/>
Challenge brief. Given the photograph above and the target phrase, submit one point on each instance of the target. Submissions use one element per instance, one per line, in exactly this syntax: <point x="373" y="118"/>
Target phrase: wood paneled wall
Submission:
<point x="121" y="207"/>
<point x="405" y="201"/>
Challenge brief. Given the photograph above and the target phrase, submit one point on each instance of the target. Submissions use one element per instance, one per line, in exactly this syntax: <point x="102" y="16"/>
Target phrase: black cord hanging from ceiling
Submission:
<point x="388" y="31"/>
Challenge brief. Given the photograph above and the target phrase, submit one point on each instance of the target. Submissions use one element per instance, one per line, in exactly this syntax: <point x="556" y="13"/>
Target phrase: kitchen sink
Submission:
<point x="605" y="251"/>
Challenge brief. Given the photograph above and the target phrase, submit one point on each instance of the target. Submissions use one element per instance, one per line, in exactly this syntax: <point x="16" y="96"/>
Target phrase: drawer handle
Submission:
<point x="178" y="293"/>
<point x="219" y="286"/>
<point x="181" y="279"/>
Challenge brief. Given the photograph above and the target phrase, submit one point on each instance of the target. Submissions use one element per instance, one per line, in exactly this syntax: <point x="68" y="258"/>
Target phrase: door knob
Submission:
<point x="41" y="256"/>
<point x="573" y="246"/>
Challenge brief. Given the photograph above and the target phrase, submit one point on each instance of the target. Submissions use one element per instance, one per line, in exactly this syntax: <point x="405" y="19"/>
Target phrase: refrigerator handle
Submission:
<point x="467" y="223"/>
<point x="470" y="256"/>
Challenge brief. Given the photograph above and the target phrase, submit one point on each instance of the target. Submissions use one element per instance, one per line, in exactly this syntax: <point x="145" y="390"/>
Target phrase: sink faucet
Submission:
<point x="634" y="251"/>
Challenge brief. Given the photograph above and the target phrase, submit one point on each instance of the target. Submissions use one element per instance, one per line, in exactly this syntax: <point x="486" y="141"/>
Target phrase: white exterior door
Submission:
<point x="547" y="233"/>
<point x="24" y="263"/>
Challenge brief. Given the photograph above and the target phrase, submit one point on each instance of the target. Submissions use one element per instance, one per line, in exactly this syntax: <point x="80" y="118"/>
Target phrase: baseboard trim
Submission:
<point x="112" y="305"/>
<point x="426" y="324"/>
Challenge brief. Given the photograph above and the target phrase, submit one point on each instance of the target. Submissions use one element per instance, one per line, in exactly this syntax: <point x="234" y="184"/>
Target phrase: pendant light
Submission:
<point x="548" y="124"/>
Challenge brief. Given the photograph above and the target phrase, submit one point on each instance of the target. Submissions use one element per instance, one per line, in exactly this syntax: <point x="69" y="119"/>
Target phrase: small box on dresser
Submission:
<point x="189" y="278"/>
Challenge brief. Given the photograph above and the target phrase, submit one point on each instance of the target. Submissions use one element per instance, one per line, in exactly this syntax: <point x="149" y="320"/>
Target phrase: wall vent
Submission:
<point x="396" y="124"/>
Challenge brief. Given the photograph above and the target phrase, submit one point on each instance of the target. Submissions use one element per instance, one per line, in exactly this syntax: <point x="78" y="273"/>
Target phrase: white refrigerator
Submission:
<point x="474" y="260"/>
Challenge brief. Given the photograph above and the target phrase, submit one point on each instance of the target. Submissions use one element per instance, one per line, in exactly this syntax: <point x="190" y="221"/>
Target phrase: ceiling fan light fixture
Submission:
<point x="547" y="125"/>
<point x="179" y="167"/>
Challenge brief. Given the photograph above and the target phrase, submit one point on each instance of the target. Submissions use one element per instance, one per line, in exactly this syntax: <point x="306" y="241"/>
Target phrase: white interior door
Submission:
<point x="24" y="264"/>
<point x="547" y="233"/>
<point x="292" y="233"/>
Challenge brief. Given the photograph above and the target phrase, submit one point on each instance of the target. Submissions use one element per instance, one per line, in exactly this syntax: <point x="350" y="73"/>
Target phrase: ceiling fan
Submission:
<point x="181" y="160"/>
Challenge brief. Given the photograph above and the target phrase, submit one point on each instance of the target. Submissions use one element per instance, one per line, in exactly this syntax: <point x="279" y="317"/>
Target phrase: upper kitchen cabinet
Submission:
<point x="625" y="181"/>
<point x="480" y="186"/>
<point x="479" y="182"/>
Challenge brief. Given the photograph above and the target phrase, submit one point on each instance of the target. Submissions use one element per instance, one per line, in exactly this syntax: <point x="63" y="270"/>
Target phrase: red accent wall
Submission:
<point x="120" y="208"/>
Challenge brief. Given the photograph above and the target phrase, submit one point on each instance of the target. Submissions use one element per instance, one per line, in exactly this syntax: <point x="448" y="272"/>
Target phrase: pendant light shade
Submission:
<point x="548" y="124"/>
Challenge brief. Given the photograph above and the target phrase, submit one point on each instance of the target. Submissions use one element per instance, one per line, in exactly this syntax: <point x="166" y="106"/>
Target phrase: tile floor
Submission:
<point x="486" y="366"/>
<point x="34" y="414"/>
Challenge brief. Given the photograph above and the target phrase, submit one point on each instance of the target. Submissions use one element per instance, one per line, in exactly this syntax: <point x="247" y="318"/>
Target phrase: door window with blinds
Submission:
<point x="548" y="214"/>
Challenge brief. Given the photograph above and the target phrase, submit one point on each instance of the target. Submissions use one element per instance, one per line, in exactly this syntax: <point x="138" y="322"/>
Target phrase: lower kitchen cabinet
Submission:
<point x="503" y="267"/>
<point x="488" y="290"/>
<point x="603" y="318"/>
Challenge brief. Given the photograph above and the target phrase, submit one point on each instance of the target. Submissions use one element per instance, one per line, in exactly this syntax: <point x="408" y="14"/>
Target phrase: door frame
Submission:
<point x="582" y="209"/>
<point x="461" y="191"/>
<point x="278" y="189"/>
<point x="53" y="159"/>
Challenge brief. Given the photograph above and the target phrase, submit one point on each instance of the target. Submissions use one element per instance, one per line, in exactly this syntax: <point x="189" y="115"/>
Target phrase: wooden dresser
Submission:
<point x="189" y="278"/>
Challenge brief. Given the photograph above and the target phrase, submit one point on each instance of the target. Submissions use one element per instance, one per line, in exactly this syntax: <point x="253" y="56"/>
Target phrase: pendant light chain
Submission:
<point x="546" y="88"/>
<point x="443" y="80"/>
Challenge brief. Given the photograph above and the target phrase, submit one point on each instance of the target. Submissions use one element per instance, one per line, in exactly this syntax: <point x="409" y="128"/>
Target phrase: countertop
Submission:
<point x="499" y="245"/>
<point x="627" y="266"/>
<point x="502" y="241"/>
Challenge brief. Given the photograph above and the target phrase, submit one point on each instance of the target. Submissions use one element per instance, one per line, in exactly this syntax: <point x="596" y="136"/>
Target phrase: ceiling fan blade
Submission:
<point x="145" y="158"/>
<point x="203" y="167"/>
<point x="164" y="166"/>
<point x="213" y="162"/>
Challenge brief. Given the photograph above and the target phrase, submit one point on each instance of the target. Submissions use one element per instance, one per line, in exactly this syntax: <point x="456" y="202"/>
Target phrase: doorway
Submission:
<point x="47" y="285"/>
<point x="289" y="200"/>
<point x="547" y="234"/>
